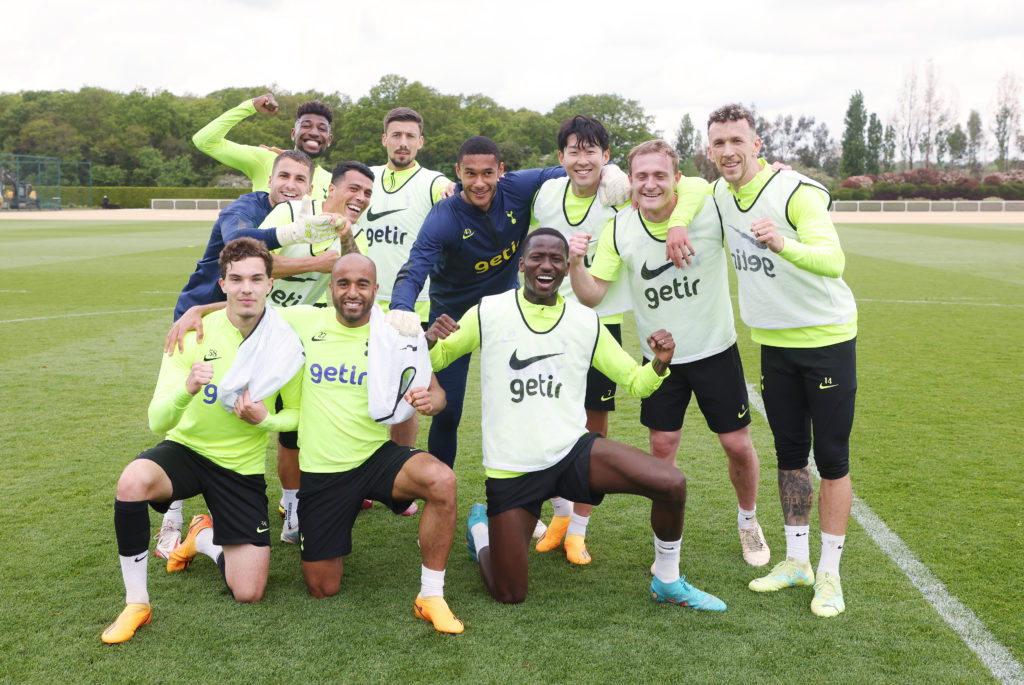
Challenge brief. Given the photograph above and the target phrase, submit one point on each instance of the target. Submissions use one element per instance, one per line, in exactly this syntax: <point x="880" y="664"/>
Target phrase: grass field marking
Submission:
<point x="958" y="303"/>
<point x="960" y="618"/>
<point x="68" y="316"/>
<point x="13" y="291"/>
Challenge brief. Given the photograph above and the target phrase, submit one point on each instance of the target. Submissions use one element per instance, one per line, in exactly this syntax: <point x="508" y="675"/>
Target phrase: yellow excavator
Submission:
<point x="15" y="194"/>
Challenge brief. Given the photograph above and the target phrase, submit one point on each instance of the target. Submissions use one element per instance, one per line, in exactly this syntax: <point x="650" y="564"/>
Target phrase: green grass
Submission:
<point x="936" y="453"/>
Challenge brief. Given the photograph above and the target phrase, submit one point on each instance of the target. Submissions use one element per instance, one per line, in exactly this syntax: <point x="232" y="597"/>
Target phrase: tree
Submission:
<point x="956" y="141"/>
<point x="1006" y="117"/>
<point x="934" y="112"/>
<point x="689" y="141"/>
<point x="908" y="118"/>
<point x="873" y="152"/>
<point x="975" y="142"/>
<point x="853" y="161"/>
<point x="889" y="149"/>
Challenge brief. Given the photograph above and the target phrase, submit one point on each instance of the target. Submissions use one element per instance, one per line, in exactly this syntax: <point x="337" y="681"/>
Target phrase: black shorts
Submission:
<point x="569" y="478"/>
<point x="329" y="502"/>
<point x="237" y="503"/>
<point x="811" y="392"/>
<point x="721" y="392"/>
<point x="601" y="389"/>
<point x="287" y="439"/>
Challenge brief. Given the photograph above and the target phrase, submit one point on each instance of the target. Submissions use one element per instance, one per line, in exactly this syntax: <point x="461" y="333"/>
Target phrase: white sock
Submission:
<point x="173" y="514"/>
<point x="204" y="544"/>
<point x="563" y="507"/>
<point x="577" y="525"/>
<point x="831" y="552"/>
<point x="746" y="519"/>
<point x="666" y="560"/>
<point x="431" y="582"/>
<point x="133" y="571"/>
<point x="481" y="538"/>
<point x="290" y="503"/>
<point x="797" y="546"/>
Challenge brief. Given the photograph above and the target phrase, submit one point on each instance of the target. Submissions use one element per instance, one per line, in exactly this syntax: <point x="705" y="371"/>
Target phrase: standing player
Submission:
<point x="536" y="351"/>
<point x="403" y="193"/>
<point x="789" y="267"/>
<point x="696" y="308"/>
<point x="469" y="245"/>
<point x="346" y="456"/>
<point x="312" y="135"/>
<point x="207" y="450"/>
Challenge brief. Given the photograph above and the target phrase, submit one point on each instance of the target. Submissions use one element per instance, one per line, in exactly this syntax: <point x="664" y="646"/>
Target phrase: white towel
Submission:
<point x="265" y="361"/>
<point x="395" y="363"/>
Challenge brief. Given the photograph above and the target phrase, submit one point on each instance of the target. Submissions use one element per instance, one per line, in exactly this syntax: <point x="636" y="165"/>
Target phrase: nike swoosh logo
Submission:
<point x="800" y="535"/>
<point x="319" y="337"/>
<point x="608" y="398"/>
<point x="822" y="386"/>
<point x="208" y="358"/>
<point x="262" y="530"/>
<point x="371" y="216"/>
<point x="648" y="274"/>
<point x="743" y="413"/>
<point x="468" y="233"/>
<point x="140" y="558"/>
<point x="519" y="364"/>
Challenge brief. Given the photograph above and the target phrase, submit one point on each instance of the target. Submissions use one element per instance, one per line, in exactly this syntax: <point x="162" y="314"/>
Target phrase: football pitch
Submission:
<point x="931" y="570"/>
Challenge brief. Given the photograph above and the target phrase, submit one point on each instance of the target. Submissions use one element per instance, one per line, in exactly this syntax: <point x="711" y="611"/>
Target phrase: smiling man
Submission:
<point x="311" y="133"/>
<point x="694" y="305"/>
<point x="789" y="266"/>
<point x="207" y="451"/>
<point x="536" y="351"/>
<point x="346" y="456"/>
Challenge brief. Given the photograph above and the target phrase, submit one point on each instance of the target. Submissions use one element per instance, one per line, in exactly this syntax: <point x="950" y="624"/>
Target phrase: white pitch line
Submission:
<point x="960" y="303"/>
<point x="960" y="618"/>
<point x="69" y="316"/>
<point x="13" y="291"/>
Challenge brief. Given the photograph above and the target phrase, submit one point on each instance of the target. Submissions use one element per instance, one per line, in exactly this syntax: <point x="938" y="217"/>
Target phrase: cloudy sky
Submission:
<point x="673" y="57"/>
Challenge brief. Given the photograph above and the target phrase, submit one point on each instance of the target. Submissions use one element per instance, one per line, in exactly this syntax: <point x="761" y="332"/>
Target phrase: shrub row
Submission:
<point x="944" y="191"/>
<point x="132" y="196"/>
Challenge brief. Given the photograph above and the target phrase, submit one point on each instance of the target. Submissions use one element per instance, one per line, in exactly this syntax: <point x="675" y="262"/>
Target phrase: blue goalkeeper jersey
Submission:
<point x="469" y="253"/>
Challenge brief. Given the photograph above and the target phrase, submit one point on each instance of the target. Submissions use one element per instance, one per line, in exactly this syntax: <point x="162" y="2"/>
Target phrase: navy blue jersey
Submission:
<point x="469" y="253"/>
<point x="240" y="219"/>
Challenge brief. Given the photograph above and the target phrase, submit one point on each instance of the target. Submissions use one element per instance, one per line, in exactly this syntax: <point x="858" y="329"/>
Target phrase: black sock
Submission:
<point x="131" y="527"/>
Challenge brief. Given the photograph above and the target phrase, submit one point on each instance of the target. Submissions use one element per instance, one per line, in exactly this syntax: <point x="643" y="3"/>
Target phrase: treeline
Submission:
<point x="144" y="138"/>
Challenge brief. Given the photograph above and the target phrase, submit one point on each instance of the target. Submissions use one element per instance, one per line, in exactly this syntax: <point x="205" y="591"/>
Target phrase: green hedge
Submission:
<point x="927" y="191"/>
<point x="133" y="196"/>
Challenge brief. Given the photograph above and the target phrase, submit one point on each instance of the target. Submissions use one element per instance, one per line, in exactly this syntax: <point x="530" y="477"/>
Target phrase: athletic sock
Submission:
<point x="290" y="503"/>
<point x="205" y="544"/>
<point x="831" y="552"/>
<point x="797" y="546"/>
<point x="562" y="506"/>
<point x="131" y="528"/>
<point x="666" y="559"/>
<point x="481" y="538"/>
<point x="133" y="572"/>
<point x="173" y="514"/>
<point x="577" y="525"/>
<point x="745" y="519"/>
<point x="223" y="573"/>
<point x="431" y="582"/>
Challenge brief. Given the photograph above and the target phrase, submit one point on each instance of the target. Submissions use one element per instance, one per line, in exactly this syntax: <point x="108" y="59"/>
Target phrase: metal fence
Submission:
<point x="35" y="181"/>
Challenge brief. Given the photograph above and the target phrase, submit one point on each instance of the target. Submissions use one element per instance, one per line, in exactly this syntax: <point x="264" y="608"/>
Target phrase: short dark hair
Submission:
<point x="479" y="145"/>
<point x="315" y="107"/>
<point x="242" y="248"/>
<point x="732" y="112"/>
<point x="297" y="156"/>
<point x="589" y="131"/>
<point x="342" y="168"/>
<point x="403" y="114"/>
<point x="544" y="230"/>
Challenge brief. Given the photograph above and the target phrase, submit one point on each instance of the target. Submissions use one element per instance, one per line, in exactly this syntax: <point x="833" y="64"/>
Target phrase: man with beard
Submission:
<point x="312" y="135"/>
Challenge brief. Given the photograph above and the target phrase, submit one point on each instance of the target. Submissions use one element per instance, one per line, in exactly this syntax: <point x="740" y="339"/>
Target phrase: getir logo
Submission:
<point x="497" y="260"/>
<point x="389" y="235"/>
<point x="677" y="291"/>
<point x="349" y="375"/>
<point x="543" y="386"/>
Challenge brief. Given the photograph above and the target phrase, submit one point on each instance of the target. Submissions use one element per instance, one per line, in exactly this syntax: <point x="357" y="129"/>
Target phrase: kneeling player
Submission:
<point x="536" y="350"/>
<point x="207" y="450"/>
<point x="346" y="456"/>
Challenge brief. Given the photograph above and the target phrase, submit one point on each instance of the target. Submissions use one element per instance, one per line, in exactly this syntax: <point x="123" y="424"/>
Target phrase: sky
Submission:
<point x="674" y="58"/>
